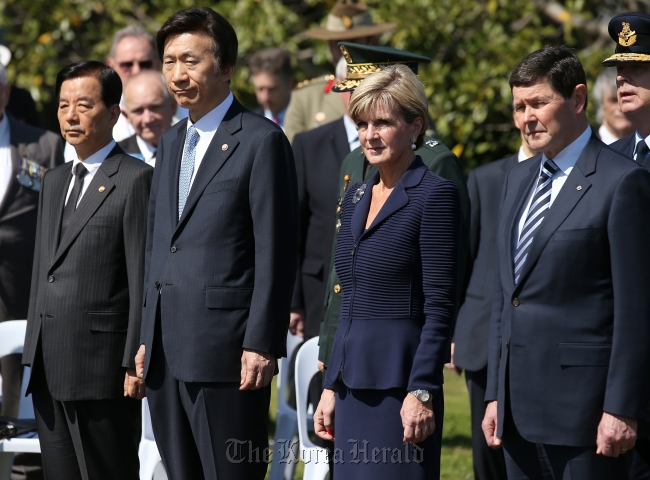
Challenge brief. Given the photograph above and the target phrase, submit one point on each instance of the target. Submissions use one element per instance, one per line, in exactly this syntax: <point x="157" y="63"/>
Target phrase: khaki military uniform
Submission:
<point x="440" y="160"/>
<point x="312" y="104"/>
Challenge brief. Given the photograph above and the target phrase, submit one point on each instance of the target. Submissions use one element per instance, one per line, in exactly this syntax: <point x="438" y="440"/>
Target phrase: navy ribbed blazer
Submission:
<point x="399" y="279"/>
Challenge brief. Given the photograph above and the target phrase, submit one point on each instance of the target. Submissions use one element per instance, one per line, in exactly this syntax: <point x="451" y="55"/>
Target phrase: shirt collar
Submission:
<point x="146" y="147"/>
<point x="280" y="115"/>
<point x="568" y="157"/>
<point x="521" y="156"/>
<point x="350" y="129"/>
<point x="211" y="120"/>
<point x="639" y="138"/>
<point x="95" y="161"/>
<point x="606" y="136"/>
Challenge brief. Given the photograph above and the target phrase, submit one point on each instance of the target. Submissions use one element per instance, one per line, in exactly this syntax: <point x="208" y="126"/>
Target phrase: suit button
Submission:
<point x="173" y="249"/>
<point x="157" y="285"/>
<point x="337" y="288"/>
<point x="50" y="278"/>
<point x="515" y="302"/>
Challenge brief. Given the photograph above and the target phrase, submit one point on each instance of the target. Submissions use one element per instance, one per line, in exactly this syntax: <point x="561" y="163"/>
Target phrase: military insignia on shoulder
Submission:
<point x="627" y="37"/>
<point x="432" y="143"/>
<point x="30" y="174"/>
<point x="358" y="195"/>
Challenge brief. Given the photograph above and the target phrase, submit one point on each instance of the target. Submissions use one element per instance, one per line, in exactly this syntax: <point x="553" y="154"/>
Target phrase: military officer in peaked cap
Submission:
<point x="312" y="103"/>
<point x="631" y="32"/>
<point x="363" y="60"/>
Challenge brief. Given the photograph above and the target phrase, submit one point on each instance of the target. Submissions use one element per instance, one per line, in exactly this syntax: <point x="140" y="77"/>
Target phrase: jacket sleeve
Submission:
<point x="298" y="299"/>
<point x="134" y="225"/>
<point x="628" y="232"/>
<point x="439" y="233"/>
<point x="273" y="200"/>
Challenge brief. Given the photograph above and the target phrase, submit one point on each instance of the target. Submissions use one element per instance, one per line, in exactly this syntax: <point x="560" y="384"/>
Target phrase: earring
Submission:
<point x="413" y="145"/>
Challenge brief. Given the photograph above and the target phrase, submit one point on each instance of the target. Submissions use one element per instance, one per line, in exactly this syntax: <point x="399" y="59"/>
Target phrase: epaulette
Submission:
<point x="322" y="78"/>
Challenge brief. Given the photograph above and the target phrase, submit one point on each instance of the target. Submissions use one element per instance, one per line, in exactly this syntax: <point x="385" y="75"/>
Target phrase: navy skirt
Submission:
<point x="368" y="437"/>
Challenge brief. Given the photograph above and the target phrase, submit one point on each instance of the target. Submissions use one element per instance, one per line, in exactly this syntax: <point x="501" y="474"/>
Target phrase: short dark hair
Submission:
<point x="202" y="20"/>
<point x="109" y="80"/>
<point x="275" y="61"/>
<point x="556" y="64"/>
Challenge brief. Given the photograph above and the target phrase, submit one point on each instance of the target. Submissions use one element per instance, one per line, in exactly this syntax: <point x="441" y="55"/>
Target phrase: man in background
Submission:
<point x="313" y="103"/>
<point x="614" y="123"/>
<point x="149" y="109"/>
<point x="273" y="80"/>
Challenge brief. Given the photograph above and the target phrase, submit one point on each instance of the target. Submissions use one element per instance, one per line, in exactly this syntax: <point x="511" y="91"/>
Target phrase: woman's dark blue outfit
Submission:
<point x="399" y="284"/>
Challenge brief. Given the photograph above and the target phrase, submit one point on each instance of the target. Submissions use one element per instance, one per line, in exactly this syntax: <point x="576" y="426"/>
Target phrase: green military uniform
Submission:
<point x="312" y="104"/>
<point x="439" y="159"/>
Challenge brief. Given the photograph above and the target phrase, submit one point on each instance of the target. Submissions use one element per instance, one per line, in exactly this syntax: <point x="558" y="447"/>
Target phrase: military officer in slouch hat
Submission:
<point x="313" y="103"/>
<point x="363" y="60"/>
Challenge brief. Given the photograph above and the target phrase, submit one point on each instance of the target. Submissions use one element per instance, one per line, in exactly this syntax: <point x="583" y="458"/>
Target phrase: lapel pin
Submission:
<point x="224" y="147"/>
<point x="579" y="187"/>
<point x="101" y="189"/>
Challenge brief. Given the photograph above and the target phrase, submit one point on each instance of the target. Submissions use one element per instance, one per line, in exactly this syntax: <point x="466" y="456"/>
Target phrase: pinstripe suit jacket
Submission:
<point x="399" y="282"/>
<point x="86" y="294"/>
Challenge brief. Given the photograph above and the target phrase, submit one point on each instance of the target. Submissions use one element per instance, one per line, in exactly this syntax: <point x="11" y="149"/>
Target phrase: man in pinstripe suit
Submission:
<point x="85" y="303"/>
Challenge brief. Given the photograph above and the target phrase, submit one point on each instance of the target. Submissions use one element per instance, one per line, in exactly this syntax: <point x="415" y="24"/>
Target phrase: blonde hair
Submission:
<point x="395" y="88"/>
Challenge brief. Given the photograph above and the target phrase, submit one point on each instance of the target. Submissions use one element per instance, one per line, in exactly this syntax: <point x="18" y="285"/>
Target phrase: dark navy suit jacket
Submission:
<point x="399" y="284"/>
<point x="223" y="274"/>
<point x="484" y="185"/>
<point x="571" y="339"/>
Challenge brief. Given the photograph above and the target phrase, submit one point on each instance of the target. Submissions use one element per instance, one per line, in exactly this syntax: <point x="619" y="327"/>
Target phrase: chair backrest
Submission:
<point x="306" y="368"/>
<point x="147" y="429"/>
<point x="283" y="366"/>
<point x="12" y="337"/>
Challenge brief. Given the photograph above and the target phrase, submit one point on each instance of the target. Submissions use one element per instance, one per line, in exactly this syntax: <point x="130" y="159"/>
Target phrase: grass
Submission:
<point x="456" y="438"/>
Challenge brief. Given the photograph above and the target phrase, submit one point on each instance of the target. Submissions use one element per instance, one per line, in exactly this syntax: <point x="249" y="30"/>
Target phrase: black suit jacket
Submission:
<point x="85" y="302"/>
<point x="18" y="212"/>
<point x="625" y="145"/>
<point x="223" y="274"/>
<point x="130" y="145"/>
<point x="319" y="154"/>
<point x="573" y="335"/>
<point x="484" y="186"/>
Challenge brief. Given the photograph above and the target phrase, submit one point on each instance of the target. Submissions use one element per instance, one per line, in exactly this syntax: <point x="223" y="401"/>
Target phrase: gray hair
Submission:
<point x="3" y="75"/>
<point x="605" y="84"/>
<point x="132" y="31"/>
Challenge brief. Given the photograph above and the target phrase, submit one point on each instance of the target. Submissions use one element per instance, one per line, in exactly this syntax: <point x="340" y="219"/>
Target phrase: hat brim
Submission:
<point x="625" y="58"/>
<point x="347" y="85"/>
<point x="322" y="33"/>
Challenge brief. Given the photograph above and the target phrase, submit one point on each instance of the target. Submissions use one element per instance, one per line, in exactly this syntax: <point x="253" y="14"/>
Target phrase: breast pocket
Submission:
<point x="102" y="221"/>
<point x="221" y="186"/>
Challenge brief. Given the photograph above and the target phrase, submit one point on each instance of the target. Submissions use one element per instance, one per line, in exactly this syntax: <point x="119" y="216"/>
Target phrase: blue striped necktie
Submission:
<point x="187" y="167"/>
<point x="540" y="203"/>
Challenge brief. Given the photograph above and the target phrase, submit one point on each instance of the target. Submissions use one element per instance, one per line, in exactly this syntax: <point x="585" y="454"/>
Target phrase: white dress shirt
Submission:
<point x="148" y="151"/>
<point x="606" y="136"/>
<point x="639" y="138"/>
<point x="92" y="164"/>
<point x="206" y="128"/>
<point x="280" y="116"/>
<point x="565" y="160"/>
<point x="6" y="167"/>
<point x="353" y="134"/>
<point x="521" y="156"/>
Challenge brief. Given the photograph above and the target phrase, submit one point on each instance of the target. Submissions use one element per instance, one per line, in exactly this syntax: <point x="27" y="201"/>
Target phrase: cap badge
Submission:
<point x="627" y="37"/>
<point x="346" y="20"/>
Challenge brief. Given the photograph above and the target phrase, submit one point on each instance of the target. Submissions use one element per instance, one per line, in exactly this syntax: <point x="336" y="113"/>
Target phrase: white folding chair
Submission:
<point x="313" y="456"/>
<point x="151" y="466"/>
<point x="283" y="462"/>
<point x="12" y="339"/>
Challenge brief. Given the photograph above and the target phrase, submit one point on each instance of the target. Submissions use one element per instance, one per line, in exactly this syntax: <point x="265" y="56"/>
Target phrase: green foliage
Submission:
<point x="474" y="46"/>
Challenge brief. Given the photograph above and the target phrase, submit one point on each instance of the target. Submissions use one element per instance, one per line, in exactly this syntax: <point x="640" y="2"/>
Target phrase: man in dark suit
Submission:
<point x="632" y="62"/>
<point x="272" y="78"/>
<point x="149" y="109"/>
<point x="220" y="264"/>
<point x="470" y="347"/>
<point x="25" y="155"/>
<point x="85" y="303"/>
<point x="568" y="356"/>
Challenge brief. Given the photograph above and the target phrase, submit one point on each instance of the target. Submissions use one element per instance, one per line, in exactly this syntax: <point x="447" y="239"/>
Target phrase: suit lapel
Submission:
<point x="91" y="201"/>
<point x="59" y="190"/>
<point x="575" y="186"/>
<point x="362" y="207"/>
<point x="15" y="146"/>
<point x="214" y="158"/>
<point x="514" y="204"/>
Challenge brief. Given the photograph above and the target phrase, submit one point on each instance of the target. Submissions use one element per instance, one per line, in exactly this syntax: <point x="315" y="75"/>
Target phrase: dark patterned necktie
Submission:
<point x="73" y="199"/>
<point x="642" y="151"/>
<point x="540" y="203"/>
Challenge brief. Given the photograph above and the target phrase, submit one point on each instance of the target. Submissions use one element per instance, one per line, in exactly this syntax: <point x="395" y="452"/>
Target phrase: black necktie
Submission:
<point x="641" y="151"/>
<point x="71" y="206"/>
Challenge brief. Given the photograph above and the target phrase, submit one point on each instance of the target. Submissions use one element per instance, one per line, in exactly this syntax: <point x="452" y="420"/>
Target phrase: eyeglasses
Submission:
<point x="144" y="65"/>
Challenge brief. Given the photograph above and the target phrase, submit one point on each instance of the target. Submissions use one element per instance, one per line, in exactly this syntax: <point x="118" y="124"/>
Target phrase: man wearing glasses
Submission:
<point x="132" y="51"/>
